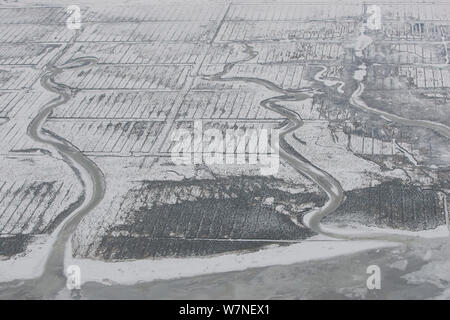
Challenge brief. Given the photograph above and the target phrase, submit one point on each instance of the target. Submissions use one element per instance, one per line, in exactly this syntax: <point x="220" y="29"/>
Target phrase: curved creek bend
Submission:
<point x="53" y="278"/>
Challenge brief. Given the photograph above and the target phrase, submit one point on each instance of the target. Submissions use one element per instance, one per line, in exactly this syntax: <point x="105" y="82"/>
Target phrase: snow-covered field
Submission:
<point x="160" y="66"/>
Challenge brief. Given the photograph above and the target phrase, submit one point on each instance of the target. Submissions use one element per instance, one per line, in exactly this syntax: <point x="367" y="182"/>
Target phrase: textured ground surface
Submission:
<point x="160" y="66"/>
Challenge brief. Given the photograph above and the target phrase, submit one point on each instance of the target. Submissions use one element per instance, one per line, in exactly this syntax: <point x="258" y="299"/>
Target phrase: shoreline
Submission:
<point x="316" y="248"/>
<point x="146" y="270"/>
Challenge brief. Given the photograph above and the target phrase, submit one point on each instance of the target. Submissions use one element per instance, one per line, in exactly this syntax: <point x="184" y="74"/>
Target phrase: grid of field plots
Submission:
<point x="155" y="74"/>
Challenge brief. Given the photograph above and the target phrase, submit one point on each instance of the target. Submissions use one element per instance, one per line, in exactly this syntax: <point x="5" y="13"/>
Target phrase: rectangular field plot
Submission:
<point x="149" y="31"/>
<point x="339" y="11"/>
<point x="415" y="11"/>
<point x="393" y="205"/>
<point x="284" y="30"/>
<point x="27" y="54"/>
<point x="293" y="12"/>
<point x="12" y="135"/>
<point x="24" y="33"/>
<point x="372" y="146"/>
<point x="178" y="12"/>
<point x="192" y="218"/>
<point x="428" y="77"/>
<point x="35" y="194"/>
<point x="17" y="78"/>
<point x="13" y="103"/>
<point x="118" y="105"/>
<point x="230" y="104"/>
<point x="137" y="53"/>
<point x="170" y="77"/>
<point x="404" y="53"/>
<point x="276" y="52"/>
<point x="297" y="52"/>
<point x="403" y="77"/>
<point x="30" y="207"/>
<point x="14" y="138"/>
<point x="114" y="13"/>
<point x="415" y="31"/>
<point x="111" y="137"/>
<point x="28" y="15"/>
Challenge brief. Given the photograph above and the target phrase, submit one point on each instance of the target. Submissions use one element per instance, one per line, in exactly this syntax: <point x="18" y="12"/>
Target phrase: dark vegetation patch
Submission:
<point x="44" y="194"/>
<point x="12" y="245"/>
<point x="391" y="205"/>
<point x="221" y="215"/>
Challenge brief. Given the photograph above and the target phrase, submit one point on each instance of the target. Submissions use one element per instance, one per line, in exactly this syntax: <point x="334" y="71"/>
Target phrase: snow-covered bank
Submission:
<point x="132" y="272"/>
